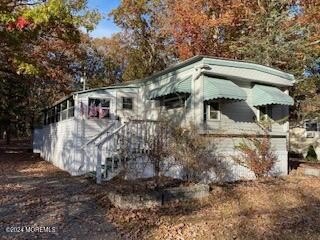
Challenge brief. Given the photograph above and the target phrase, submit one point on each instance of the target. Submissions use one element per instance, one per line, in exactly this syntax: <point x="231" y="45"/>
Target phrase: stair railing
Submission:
<point x="134" y="136"/>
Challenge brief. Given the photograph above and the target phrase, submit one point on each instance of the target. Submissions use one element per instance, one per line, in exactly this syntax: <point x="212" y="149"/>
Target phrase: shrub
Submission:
<point x="194" y="152"/>
<point x="256" y="154"/>
<point x="311" y="155"/>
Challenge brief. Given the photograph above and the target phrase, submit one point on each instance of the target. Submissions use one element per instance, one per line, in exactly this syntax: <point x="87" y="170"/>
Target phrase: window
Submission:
<point x="63" y="110"/>
<point x="311" y="126"/>
<point x="173" y="102"/>
<point x="99" y="108"/>
<point x="127" y="103"/>
<point x="57" y="114"/>
<point x="51" y="115"/>
<point x="265" y="112"/>
<point x="70" y="108"/>
<point x="214" y="111"/>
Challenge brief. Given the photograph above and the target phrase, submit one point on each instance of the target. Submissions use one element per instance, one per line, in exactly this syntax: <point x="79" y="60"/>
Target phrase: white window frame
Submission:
<point x="63" y="113"/>
<point x="218" y="111"/>
<point x="104" y="108"/>
<point x="268" y="110"/>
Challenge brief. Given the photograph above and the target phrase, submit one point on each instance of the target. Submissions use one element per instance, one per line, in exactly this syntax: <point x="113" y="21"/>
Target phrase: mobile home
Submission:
<point x="224" y="99"/>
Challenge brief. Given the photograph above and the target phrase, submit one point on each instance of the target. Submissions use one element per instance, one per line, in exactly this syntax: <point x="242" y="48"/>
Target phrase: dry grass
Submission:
<point x="284" y="208"/>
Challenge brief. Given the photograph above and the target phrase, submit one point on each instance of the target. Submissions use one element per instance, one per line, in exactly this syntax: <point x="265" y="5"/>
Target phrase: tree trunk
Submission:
<point x="8" y="133"/>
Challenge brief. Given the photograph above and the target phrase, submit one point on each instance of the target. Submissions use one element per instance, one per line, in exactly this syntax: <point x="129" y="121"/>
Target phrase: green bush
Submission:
<point x="311" y="155"/>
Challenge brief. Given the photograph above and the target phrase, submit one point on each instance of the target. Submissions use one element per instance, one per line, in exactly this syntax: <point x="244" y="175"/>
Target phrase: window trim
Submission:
<point x="268" y="110"/>
<point x="99" y="98"/>
<point x="54" y="113"/>
<point x="218" y="111"/>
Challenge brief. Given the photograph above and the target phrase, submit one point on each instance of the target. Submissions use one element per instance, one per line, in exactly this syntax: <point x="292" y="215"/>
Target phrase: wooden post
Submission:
<point x="104" y="155"/>
<point x="112" y="164"/>
<point x="98" y="167"/>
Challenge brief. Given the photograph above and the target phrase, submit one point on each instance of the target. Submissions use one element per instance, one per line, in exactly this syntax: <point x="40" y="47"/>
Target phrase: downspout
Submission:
<point x="198" y="99"/>
<point x="288" y="137"/>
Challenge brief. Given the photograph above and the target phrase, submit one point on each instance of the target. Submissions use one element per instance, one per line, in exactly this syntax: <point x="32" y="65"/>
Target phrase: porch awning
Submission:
<point x="266" y="95"/>
<point x="182" y="86"/>
<point x="215" y="88"/>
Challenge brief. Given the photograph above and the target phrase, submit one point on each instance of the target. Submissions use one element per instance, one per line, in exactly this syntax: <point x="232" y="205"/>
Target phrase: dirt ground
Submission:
<point x="35" y="193"/>
<point x="282" y="208"/>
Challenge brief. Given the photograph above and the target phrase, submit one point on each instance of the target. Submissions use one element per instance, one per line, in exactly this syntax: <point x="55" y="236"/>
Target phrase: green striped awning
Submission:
<point x="265" y="95"/>
<point x="182" y="86"/>
<point x="215" y="88"/>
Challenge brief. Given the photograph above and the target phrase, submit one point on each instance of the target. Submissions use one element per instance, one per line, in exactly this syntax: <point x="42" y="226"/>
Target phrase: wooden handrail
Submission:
<point x="99" y="144"/>
<point x="109" y="144"/>
<point x="98" y="135"/>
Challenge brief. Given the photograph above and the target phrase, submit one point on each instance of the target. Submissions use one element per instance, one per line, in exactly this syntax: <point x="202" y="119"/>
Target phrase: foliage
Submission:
<point x="39" y="41"/>
<point x="146" y="48"/>
<point x="256" y="154"/>
<point x="114" y="53"/>
<point x="311" y="154"/>
<point x="205" y="27"/>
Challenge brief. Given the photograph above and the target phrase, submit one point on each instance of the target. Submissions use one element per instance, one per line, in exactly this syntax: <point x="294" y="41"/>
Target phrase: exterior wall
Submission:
<point x="150" y="109"/>
<point x="58" y="144"/>
<point x="236" y="117"/>
<point x="137" y="103"/>
<point x="37" y="140"/>
<point x="87" y="129"/>
<point x="225" y="148"/>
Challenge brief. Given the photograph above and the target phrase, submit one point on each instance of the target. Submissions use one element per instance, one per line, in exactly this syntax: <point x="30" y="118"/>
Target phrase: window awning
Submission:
<point x="266" y="95"/>
<point x="215" y="88"/>
<point x="182" y="86"/>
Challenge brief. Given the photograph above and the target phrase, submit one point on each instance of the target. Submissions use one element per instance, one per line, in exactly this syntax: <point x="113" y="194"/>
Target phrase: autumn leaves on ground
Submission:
<point x="34" y="192"/>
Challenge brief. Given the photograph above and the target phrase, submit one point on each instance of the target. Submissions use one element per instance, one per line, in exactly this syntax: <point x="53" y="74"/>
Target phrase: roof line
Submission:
<point x="85" y="91"/>
<point x="196" y="58"/>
